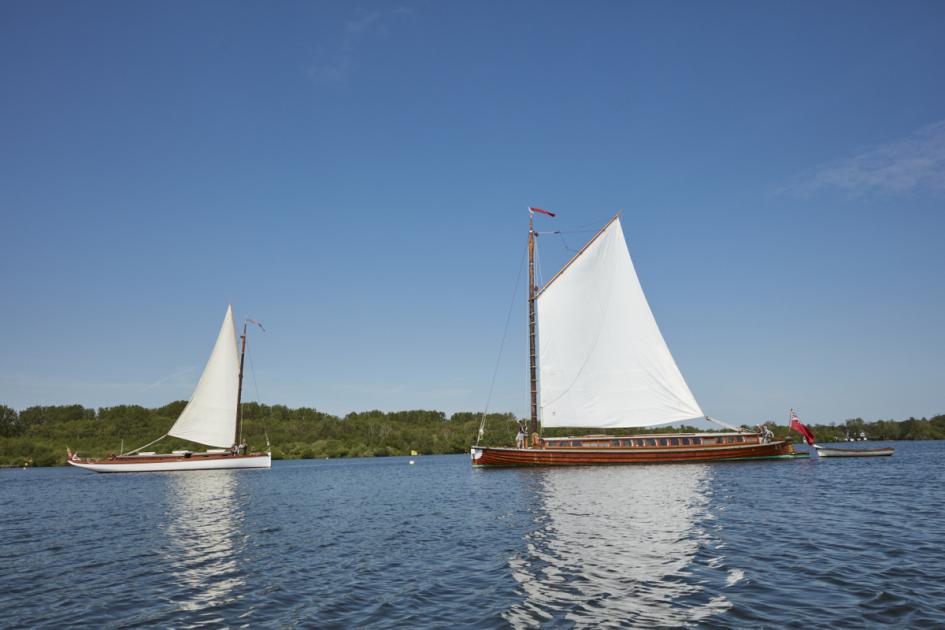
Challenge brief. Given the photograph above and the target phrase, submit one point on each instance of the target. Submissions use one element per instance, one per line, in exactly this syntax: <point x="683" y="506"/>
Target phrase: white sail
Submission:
<point x="602" y="360"/>
<point x="210" y="416"/>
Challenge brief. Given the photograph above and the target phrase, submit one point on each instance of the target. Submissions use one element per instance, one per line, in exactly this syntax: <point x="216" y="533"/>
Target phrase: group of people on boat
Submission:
<point x="767" y="435"/>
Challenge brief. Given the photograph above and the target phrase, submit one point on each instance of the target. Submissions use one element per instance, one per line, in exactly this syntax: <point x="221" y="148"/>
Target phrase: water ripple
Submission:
<point x="378" y="543"/>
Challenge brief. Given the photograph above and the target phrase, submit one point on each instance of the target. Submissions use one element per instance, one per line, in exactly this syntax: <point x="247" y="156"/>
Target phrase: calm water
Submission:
<point x="379" y="543"/>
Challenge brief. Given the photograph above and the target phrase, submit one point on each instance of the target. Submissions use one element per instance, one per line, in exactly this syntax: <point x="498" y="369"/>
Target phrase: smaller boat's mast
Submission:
<point x="239" y="391"/>
<point x="533" y="372"/>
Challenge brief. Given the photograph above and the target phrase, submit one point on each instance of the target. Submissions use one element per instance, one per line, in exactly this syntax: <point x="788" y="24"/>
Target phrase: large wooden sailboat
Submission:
<point x="210" y="418"/>
<point x="602" y="363"/>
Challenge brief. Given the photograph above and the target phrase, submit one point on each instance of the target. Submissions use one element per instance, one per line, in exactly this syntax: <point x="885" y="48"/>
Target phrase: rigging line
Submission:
<point x="252" y="370"/>
<point x="505" y="334"/>
<point x="538" y="264"/>
<point x="146" y="445"/>
<point x="565" y="243"/>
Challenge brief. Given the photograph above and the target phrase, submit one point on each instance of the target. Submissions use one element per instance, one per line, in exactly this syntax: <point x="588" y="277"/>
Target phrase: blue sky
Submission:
<point x="355" y="176"/>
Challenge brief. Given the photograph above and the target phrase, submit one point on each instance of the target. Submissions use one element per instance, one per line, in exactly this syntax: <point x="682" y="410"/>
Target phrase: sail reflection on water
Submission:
<point x="613" y="546"/>
<point x="204" y="527"/>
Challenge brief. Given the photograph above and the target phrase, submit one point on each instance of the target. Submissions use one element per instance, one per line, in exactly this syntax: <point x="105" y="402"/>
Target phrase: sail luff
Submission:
<point x="210" y="416"/>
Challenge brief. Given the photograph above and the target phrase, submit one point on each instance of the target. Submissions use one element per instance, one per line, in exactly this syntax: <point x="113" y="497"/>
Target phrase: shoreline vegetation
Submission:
<point x="38" y="436"/>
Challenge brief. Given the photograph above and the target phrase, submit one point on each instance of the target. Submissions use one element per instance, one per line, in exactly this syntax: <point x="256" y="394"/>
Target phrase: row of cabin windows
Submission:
<point x="641" y="442"/>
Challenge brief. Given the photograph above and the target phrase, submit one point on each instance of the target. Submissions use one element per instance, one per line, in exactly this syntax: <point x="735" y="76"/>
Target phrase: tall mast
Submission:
<point x="533" y="373"/>
<point x="239" y="391"/>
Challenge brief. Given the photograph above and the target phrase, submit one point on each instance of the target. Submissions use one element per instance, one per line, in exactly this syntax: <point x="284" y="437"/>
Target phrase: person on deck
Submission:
<point x="766" y="434"/>
<point x="520" y="437"/>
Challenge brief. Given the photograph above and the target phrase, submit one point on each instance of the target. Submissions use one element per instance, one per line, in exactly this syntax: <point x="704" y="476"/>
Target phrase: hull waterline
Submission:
<point x="497" y="456"/>
<point x="140" y="464"/>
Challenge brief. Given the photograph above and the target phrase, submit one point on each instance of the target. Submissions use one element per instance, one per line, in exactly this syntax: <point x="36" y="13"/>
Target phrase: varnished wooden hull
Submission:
<point x="197" y="461"/>
<point x="498" y="456"/>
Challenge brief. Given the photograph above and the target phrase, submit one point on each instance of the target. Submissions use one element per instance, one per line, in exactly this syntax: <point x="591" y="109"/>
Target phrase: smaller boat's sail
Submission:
<point x="602" y="360"/>
<point x="210" y="416"/>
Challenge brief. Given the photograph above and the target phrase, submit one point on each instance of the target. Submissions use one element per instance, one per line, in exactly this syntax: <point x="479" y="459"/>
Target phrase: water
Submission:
<point x="380" y="543"/>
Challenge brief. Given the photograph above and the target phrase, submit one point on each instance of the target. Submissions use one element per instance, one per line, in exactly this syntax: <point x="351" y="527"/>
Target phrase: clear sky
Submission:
<point x="356" y="177"/>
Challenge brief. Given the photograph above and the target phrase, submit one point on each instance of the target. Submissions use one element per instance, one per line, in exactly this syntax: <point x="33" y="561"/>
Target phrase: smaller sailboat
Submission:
<point x="210" y="418"/>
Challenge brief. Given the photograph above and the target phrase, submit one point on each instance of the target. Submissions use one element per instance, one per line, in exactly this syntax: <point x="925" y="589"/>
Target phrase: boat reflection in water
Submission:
<point x="615" y="546"/>
<point x="204" y="529"/>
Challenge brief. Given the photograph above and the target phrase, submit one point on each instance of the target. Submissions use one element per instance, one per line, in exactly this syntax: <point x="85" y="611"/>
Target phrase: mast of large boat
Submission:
<point x="239" y="391"/>
<point x="532" y="368"/>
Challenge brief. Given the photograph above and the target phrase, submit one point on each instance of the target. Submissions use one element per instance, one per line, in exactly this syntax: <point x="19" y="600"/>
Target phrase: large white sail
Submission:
<point x="210" y="416"/>
<point x="602" y="360"/>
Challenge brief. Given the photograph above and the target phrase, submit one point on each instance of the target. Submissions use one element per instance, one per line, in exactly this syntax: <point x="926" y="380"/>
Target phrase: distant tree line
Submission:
<point x="39" y="435"/>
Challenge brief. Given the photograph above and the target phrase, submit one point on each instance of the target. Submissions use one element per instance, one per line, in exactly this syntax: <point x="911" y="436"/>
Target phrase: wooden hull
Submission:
<point x="174" y="462"/>
<point x="823" y="451"/>
<point x="497" y="456"/>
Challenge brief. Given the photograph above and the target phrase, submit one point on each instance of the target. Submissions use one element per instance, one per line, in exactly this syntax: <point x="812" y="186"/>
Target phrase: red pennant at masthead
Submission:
<point x="550" y="214"/>
<point x="800" y="428"/>
<point x="253" y="321"/>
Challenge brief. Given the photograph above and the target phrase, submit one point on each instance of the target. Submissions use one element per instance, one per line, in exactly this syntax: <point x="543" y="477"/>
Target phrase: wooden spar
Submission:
<point x="533" y="371"/>
<point x="575" y="257"/>
<point x="239" y="391"/>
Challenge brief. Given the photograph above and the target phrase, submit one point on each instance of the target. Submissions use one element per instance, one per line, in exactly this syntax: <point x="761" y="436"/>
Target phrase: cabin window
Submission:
<point x="615" y="442"/>
<point x="674" y="441"/>
<point x="697" y="440"/>
<point x="663" y="442"/>
<point x="651" y="441"/>
<point x="710" y="440"/>
<point x="730" y="439"/>
<point x="576" y="443"/>
<point x="639" y="441"/>
<point x="685" y="441"/>
<point x="628" y="442"/>
<point x="741" y="439"/>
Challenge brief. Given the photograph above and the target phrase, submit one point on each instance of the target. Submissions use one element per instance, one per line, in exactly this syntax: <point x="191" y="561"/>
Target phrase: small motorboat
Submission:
<point x="824" y="451"/>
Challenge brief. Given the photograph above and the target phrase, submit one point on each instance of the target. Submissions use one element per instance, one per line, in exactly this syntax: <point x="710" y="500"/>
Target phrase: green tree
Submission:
<point x="9" y="422"/>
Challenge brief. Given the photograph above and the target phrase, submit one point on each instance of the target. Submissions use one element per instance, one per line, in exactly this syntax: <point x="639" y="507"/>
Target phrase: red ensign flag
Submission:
<point x="800" y="428"/>
<point x="550" y="214"/>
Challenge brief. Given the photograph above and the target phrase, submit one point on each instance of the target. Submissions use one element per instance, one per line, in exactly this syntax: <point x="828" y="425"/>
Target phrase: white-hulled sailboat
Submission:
<point x="210" y="418"/>
<point x="603" y="364"/>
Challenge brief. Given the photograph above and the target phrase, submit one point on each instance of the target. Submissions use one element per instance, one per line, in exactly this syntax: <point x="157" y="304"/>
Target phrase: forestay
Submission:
<point x="210" y="416"/>
<point x="602" y="360"/>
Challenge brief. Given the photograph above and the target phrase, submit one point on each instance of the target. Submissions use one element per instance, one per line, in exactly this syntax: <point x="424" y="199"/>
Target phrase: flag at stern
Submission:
<point x="798" y="426"/>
